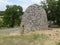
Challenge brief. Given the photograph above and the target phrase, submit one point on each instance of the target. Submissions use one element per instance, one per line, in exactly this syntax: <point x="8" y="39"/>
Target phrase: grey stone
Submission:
<point x="34" y="18"/>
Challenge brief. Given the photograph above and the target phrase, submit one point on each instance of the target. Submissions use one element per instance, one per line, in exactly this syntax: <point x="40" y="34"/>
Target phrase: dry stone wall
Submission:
<point x="34" y="18"/>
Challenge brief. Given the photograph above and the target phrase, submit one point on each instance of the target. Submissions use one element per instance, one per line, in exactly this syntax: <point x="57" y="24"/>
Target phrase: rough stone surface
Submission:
<point x="34" y="18"/>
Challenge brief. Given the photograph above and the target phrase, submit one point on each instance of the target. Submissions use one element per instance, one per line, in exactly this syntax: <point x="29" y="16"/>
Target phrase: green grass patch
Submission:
<point x="58" y="43"/>
<point x="34" y="39"/>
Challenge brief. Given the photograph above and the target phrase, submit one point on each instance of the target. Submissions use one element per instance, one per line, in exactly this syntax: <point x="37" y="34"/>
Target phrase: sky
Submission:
<point x="23" y="3"/>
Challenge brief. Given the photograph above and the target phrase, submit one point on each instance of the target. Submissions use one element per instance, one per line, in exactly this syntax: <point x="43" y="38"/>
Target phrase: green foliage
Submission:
<point x="13" y="15"/>
<point x="1" y="13"/>
<point x="58" y="43"/>
<point x="58" y="13"/>
<point x="1" y="22"/>
<point x="52" y="8"/>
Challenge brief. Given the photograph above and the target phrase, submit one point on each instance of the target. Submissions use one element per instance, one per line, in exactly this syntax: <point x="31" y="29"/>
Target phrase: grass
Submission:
<point x="34" y="39"/>
<point x="46" y="37"/>
<point x="58" y="43"/>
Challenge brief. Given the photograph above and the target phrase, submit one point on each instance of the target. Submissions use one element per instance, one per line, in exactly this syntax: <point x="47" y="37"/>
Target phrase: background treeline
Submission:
<point x="11" y="17"/>
<point x="52" y="8"/>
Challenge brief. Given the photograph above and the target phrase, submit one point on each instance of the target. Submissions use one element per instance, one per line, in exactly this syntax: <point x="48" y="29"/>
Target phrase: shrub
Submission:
<point x="58" y="43"/>
<point x="1" y="23"/>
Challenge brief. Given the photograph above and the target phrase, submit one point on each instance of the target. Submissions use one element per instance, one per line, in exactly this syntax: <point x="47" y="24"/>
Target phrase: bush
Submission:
<point x="58" y="43"/>
<point x="1" y="23"/>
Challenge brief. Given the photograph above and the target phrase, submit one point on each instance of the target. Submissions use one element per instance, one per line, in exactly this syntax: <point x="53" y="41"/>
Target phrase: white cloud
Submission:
<point x="3" y="4"/>
<point x="23" y="3"/>
<point x="30" y="1"/>
<point x="26" y="3"/>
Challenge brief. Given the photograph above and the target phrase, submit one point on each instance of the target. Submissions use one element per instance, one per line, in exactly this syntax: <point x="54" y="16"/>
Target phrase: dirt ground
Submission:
<point x="53" y="36"/>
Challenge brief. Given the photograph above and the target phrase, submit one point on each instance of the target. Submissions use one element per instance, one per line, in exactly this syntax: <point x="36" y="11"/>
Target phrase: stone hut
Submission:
<point x="34" y="18"/>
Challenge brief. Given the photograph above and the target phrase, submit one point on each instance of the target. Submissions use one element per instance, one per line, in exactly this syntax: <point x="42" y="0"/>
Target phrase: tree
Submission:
<point x="51" y="8"/>
<point x="12" y="15"/>
<point x="58" y="13"/>
<point x="1" y="13"/>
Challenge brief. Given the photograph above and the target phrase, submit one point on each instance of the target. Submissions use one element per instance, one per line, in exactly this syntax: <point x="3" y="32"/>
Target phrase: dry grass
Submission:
<point x="43" y="37"/>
